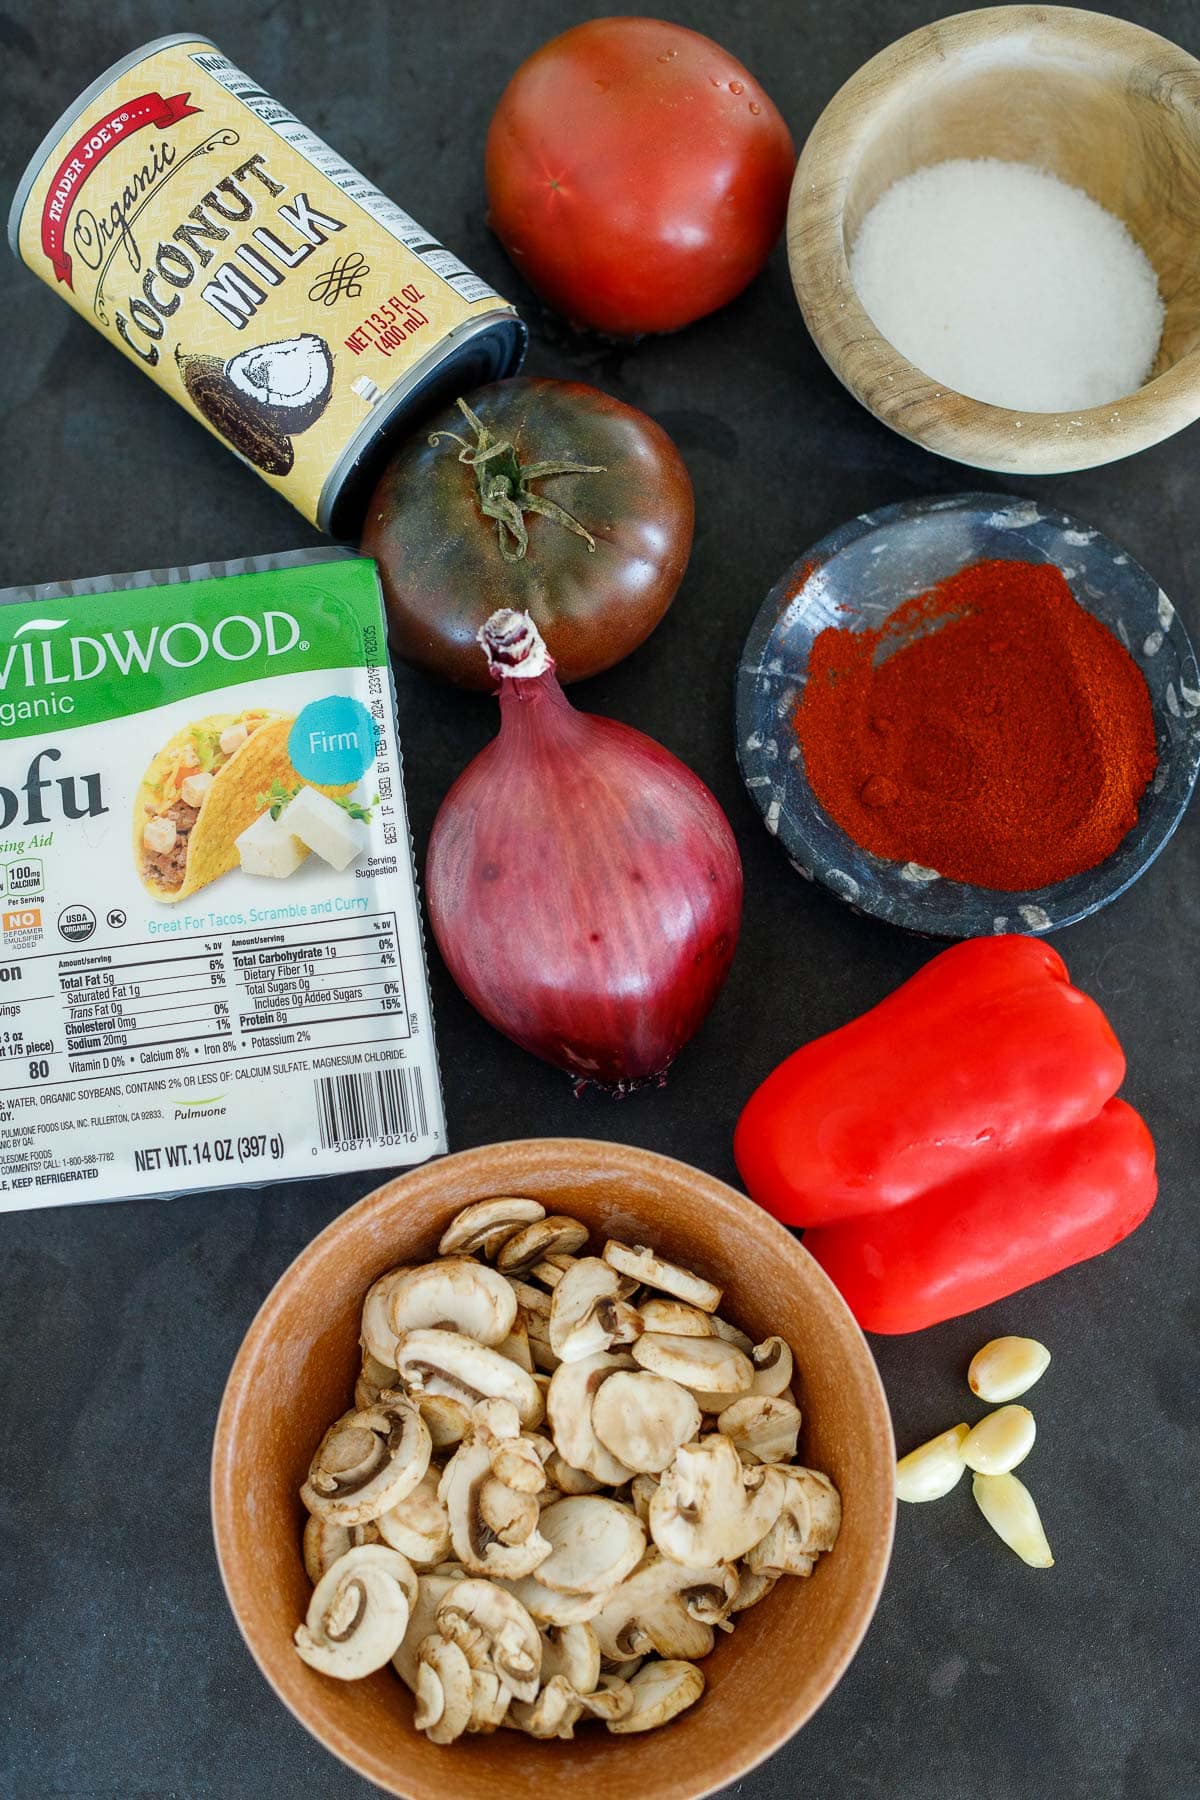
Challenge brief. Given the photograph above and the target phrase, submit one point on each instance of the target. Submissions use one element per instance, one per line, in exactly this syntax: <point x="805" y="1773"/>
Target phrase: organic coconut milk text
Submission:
<point x="266" y="284"/>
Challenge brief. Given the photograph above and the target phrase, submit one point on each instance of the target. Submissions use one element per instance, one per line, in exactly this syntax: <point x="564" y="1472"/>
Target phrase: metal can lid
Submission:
<point x="481" y="349"/>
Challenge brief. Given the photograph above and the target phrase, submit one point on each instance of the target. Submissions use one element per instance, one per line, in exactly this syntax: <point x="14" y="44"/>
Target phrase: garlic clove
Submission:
<point x="1007" y="1367"/>
<point x="1009" y="1509"/>
<point x="1001" y="1441"/>
<point x="933" y="1468"/>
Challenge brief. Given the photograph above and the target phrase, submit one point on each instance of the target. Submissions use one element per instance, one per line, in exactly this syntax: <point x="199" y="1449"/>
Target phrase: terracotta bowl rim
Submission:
<point x="816" y="209"/>
<point x="591" y="1152"/>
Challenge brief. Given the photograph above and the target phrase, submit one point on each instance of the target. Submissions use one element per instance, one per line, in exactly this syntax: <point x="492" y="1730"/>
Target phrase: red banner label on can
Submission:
<point x="88" y="152"/>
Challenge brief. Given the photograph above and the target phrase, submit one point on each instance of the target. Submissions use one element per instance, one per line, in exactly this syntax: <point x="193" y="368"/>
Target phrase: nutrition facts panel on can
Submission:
<point x="344" y="175"/>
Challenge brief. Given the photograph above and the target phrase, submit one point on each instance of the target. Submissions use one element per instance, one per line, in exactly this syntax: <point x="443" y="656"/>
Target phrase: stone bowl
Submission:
<point x="863" y="571"/>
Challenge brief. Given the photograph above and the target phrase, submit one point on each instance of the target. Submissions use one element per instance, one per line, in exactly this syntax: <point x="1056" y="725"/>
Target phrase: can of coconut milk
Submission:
<point x="264" y="283"/>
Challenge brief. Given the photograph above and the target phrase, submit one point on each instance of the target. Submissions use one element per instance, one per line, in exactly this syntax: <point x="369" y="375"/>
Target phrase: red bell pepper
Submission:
<point x="1054" y="1202"/>
<point x="954" y="1144"/>
<point x="986" y="1048"/>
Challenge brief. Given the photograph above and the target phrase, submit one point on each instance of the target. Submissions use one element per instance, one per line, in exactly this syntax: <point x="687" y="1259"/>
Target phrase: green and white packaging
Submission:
<point x="169" y="1021"/>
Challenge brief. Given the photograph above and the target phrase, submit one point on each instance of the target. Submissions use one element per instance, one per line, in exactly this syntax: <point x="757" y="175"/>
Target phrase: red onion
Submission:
<point x="584" y="886"/>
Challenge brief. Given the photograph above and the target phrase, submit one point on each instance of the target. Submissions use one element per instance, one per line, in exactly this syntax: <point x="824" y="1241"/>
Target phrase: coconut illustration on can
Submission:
<point x="291" y="380"/>
<point x="248" y="230"/>
<point x="260" y="399"/>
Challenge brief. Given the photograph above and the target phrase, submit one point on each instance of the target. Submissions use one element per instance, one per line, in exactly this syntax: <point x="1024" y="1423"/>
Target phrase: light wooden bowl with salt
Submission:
<point x="1105" y="105"/>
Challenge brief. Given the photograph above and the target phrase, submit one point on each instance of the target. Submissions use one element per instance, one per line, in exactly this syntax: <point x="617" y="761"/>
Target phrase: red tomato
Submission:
<point x="637" y="174"/>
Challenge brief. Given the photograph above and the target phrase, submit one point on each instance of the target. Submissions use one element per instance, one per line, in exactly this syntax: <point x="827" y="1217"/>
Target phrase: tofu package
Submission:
<point x="212" y="961"/>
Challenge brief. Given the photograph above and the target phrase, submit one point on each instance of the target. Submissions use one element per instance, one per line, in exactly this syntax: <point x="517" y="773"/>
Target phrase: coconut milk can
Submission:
<point x="270" y="288"/>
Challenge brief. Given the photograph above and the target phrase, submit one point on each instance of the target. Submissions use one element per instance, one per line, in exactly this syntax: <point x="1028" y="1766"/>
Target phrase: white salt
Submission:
<point x="1009" y="286"/>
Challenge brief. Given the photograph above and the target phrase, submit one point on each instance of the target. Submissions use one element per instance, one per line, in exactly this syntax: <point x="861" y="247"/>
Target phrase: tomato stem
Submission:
<point x="503" y="482"/>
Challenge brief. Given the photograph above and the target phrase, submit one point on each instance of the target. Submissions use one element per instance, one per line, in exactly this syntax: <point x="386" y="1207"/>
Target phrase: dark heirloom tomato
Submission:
<point x="607" y="543"/>
<point x="637" y="174"/>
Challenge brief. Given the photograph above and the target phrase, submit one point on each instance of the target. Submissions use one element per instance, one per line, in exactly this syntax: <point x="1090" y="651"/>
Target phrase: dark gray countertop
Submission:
<point x="121" y="1670"/>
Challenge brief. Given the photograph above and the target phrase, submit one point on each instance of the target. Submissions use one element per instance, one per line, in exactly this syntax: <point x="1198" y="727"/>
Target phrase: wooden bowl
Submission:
<point x="295" y="1372"/>
<point x="1107" y="106"/>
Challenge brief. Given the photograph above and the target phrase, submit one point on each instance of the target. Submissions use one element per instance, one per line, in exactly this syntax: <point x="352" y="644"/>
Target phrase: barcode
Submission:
<point x="355" y="1109"/>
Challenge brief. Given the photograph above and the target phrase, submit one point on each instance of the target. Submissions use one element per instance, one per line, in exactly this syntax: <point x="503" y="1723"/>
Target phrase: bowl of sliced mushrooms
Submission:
<point x="553" y="1460"/>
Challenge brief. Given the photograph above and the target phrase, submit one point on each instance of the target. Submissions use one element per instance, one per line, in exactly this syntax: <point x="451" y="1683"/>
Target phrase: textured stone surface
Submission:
<point x="123" y="1672"/>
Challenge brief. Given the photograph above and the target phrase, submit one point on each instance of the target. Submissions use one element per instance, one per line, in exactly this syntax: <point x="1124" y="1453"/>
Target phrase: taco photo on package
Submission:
<point x="202" y="790"/>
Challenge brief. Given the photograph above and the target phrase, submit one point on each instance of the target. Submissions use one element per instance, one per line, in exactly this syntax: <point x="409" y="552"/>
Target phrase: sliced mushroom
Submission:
<point x="367" y="1462"/>
<point x="447" y="1362"/>
<point x="373" y="1380"/>
<point x="474" y="1542"/>
<point x="641" y="1612"/>
<point x="495" y="1632"/>
<point x="676" y="1318"/>
<point x="643" y="1419"/>
<point x="554" y="1714"/>
<point x="454" y="1294"/>
<point x="773" y="1366"/>
<point x="511" y="1517"/>
<point x="611" y="1698"/>
<point x="625" y="1670"/>
<point x="418" y="1525"/>
<point x="825" y="1506"/>
<point x="534" y="1304"/>
<point x="495" y="1421"/>
<point x="444" y="1690"/>
<point x="549" y="1607"/>
<point x="723" y="1329"/>
<point x="378" y="1338"/>
<point x="594" y="1543"/>
<point x="712" y="1403"/>
<point x="358" y="1614"/>
<point x="752" y="1587"/>
<point x="447" y="1420"/>
<point x="573" y="1388"/>
<point x="567" y="1480"/>
<point x="479" y="1227"/>
<point x="547" y="1237"/>
<point x="674" y="1630"/>
<point x="763" y="1429"/>
<point x="516" y="1345"/>
<point x="550" y="1271"/>
<point x="642" y="1490"/>
<point x="587" y="1313"/>
<point x="325" y="1542"/>
<point x="491" y="1700"/>
<point x="705" y="1364"/>
<point x="532" y="1300"/>
<point x="642" y="1264"/>
<point x="709" y="1508"/>
<point x="573" y="1652"/>
<point x="661" y="1691"/>
<point x="711" y="1602"/>
<point x="423" y="1621"/>
<point x="807" y="1524"/>
<point x="520" y="1463"/>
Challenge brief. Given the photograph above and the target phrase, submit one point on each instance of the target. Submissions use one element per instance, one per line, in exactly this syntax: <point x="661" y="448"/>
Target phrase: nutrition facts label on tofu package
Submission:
<point x="211" y="965"/>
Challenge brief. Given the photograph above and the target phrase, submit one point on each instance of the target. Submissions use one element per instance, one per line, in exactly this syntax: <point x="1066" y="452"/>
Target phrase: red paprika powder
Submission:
<point x="991" y="729"/>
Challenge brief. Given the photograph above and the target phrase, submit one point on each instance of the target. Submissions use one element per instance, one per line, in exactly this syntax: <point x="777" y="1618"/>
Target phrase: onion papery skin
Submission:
<point x="584" y="888"/>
